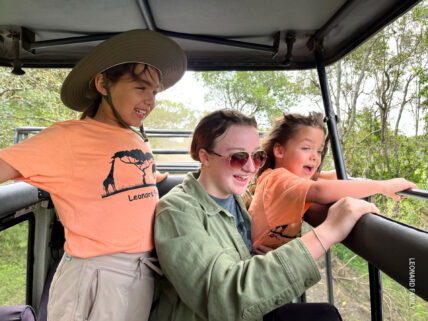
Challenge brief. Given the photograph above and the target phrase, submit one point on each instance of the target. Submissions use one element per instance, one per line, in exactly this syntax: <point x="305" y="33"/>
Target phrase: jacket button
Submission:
<point x="278" y="302"/>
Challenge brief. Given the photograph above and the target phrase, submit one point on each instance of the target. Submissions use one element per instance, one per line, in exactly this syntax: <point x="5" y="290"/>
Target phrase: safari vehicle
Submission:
<point x="216" y="36"/>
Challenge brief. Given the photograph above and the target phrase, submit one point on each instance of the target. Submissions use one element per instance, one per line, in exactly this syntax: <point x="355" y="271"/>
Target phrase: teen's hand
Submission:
<point x="342" y="217"/>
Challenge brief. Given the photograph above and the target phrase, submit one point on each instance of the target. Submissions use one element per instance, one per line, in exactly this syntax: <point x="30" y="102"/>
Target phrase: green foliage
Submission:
<point x="397" y="300"/>
<point x="172" y="115"/>
<point x="13" y="264"/>
<point x="364" y="151"/>
<point x="349" y="258"/>
<point x="30" y="100"/>
<point x="423" y="82"/>
<point x="364" y="155"/>
<point x="264" y="94"/>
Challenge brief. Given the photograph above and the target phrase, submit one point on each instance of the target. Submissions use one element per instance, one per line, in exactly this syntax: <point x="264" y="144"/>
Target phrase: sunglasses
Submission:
<point x="239" y="159"/>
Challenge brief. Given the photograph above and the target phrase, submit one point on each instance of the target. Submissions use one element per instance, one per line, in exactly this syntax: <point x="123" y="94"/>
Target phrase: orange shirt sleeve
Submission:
<point x="43" y="159"/>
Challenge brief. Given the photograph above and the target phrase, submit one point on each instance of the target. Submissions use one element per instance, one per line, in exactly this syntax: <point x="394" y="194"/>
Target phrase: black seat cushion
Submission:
<point x="168" y="183"/>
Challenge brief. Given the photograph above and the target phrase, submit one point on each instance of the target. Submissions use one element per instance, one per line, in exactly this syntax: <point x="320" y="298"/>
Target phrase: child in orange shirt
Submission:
<point x="285" y="186"/>
<point x="101" y="176"/>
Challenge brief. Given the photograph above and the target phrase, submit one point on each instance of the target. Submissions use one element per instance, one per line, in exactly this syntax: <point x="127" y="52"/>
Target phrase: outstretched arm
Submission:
<point x="328" y="175"/>
<point x="7" y="172"/>
<point x="328" y="191"/>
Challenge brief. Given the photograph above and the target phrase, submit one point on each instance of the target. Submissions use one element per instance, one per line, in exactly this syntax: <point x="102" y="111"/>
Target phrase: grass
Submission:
<point x="13" y="264"/>
<point x="398" y="302"/>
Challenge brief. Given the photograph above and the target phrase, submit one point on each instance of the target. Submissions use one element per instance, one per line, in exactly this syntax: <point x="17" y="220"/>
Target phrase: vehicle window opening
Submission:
<point x="16" y="256"/>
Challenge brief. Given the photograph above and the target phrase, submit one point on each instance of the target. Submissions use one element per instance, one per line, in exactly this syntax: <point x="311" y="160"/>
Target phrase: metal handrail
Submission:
<point x="21" y="133"/>
<point x="415" y="192"/>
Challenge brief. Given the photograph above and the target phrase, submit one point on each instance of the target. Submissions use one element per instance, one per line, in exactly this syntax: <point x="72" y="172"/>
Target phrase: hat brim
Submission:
<point x="138" y="46"/>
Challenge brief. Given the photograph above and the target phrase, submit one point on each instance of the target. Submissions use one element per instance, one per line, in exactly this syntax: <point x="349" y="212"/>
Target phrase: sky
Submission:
<point x="188" y="91"/>
<point x="191" y="93"/>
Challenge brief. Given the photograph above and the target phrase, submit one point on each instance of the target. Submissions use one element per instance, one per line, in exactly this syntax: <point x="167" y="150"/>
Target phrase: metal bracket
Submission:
<point x="43" y="195"/>
<point x="326" y="119"/>
<point x="27" y="38"/>
<point x="16" y="63"/>
<point x="283" y="49"/>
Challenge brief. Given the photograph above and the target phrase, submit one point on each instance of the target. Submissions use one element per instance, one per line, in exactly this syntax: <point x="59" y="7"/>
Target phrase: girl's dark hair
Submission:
<point x="214" y="125"/>
<point x="113" y="75"/>
<point x="283" y="129"/>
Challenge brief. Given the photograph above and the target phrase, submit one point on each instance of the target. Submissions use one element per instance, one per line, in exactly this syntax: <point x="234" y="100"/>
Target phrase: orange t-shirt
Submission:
<point x="102" y="182"/>
<point x="278" y="207"/>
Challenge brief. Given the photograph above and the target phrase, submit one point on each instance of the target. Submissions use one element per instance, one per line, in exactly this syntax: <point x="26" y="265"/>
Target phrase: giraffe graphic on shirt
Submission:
<point x="110" y="180"/>
<point x="144" y="162"/>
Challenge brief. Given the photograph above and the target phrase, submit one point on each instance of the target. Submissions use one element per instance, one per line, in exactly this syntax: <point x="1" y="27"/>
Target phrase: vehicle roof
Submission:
<point x="216" y="35"/>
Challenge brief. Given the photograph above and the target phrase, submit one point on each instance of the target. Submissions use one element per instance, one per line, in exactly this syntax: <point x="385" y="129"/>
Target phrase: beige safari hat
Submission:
<point x="135" y="46"/>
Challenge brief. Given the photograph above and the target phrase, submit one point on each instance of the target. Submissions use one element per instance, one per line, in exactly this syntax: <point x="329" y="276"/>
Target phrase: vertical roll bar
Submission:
<point x="331" y="119"/>
<point x="375" y="293"/>
<point x="335" y="148"/>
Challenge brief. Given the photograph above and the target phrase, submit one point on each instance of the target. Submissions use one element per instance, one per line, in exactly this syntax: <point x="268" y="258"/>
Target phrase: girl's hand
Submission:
<point x="392" y="186"/>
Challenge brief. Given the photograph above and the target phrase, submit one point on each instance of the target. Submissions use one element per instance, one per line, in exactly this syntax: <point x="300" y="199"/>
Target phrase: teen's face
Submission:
<point x="301" y="154"/>
<point x="223" y="179"/>
<point x="134" y="99"/>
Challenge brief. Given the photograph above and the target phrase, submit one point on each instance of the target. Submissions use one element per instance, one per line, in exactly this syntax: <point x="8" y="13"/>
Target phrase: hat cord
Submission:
<point x="107" y="97"/>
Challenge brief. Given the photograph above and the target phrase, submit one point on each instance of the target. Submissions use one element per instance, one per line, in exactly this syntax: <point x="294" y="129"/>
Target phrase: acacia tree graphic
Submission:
<point x="136" y="157"/>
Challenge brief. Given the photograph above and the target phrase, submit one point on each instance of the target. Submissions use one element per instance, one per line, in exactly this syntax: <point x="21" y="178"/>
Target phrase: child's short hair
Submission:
<point x="214" y="125"/>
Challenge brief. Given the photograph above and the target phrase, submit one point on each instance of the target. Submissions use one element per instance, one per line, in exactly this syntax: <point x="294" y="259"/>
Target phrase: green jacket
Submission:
<point x="210" y="275"/>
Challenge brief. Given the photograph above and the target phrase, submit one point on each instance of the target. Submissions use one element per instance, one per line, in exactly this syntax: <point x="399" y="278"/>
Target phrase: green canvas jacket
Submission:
<point x="210" y="274"/>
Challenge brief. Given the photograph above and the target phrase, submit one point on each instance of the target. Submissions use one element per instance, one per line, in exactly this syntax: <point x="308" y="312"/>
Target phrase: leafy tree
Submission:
<point x="30" y="100"/>
<point x="387" y="74"/>
<point x="262" y="94"/>
<point x="172" y="115"/>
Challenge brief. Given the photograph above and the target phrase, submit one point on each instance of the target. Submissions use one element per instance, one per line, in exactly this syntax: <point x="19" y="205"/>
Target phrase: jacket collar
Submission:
<point x="191" y="186"/>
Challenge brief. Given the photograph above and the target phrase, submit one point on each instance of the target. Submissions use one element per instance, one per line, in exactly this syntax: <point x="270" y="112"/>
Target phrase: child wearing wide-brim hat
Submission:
<point x="101" y="176"/>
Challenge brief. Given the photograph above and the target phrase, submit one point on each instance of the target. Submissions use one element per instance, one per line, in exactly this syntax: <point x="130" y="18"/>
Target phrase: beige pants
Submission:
<point x="110" y="287"/>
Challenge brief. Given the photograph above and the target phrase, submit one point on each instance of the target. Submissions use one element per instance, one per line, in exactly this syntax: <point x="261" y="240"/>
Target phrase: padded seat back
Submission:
<point x="17" y="313"/>
<point x="168" y="183"/>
